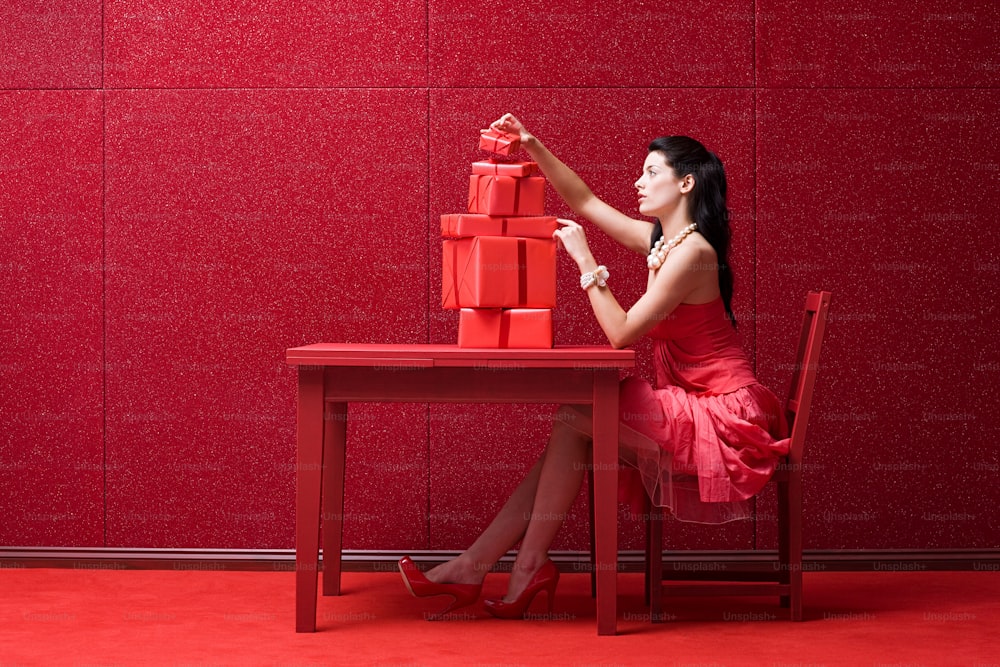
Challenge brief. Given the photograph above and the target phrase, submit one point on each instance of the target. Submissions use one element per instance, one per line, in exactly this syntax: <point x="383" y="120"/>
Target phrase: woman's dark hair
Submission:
<point x="708" y="201"/>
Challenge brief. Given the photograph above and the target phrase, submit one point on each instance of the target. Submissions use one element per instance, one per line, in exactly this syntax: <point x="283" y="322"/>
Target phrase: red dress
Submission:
<point x="717" y="431"/>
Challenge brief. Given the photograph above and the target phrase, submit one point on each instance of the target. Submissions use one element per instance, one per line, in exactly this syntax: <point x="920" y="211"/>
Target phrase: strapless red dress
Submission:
<point x="718" y="432"/>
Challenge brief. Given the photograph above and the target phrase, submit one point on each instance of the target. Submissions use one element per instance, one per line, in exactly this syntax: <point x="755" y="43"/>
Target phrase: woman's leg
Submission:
<point x="564" y="460"/>
<point x="506" y="529"/>
<point x="563" y="466"/>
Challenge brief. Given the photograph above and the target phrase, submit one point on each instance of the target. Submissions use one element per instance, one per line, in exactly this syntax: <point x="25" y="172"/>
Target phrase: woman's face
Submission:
<point x="660" y="191"/>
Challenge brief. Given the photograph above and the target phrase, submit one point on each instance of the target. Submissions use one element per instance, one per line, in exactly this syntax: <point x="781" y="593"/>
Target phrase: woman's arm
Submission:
<point x="629" y="232"/>
<point x="680" y="275"/>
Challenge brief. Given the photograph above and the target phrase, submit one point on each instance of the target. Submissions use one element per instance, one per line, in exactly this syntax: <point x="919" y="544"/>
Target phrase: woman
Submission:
<point x="704" y="441"/>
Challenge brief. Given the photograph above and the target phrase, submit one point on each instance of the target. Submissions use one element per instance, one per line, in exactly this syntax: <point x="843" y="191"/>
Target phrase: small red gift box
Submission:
<point x="458" y="225"/>
<point x="500" y="143"/>
<point x="503" y="328"/>
<point x="506" y="195"/>
<point x="498" y="272"/>
<point x="494" y="168"/>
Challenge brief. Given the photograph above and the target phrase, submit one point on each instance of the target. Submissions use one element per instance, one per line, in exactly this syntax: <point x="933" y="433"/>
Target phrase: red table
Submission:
<point x="331" y="375"/>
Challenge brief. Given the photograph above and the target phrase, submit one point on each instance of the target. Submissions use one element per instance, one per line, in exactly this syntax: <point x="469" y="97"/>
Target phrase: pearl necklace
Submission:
<point x="660" y="250"/>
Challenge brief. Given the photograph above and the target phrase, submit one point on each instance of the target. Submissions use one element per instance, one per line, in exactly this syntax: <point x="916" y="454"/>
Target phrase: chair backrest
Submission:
<point x="804" y="372"/>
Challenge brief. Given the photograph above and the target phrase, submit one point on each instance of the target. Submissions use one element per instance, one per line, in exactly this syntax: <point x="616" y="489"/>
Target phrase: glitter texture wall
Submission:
<point x="187" y="189"/>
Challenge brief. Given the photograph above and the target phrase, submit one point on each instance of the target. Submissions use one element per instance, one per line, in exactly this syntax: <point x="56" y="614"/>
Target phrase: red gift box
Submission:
<point x="503" y="328"/>
<point x="494" y="168"/>
<point x="500" y="143"/>
<point x="458" y="225"/>
<point x="498" y="272"/>
<point x="506" y="195"/>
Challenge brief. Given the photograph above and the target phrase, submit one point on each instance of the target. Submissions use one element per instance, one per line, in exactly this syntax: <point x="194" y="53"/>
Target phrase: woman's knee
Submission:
<point x="573" y="418"/>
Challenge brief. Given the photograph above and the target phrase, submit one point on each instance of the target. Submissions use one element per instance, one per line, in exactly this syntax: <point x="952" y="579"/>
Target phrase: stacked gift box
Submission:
<point x="499" y="259"/>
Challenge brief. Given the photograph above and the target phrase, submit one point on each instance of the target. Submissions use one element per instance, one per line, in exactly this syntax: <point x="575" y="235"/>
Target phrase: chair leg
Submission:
<point x="654" y="563"/>
<point x="783" y="541"/>
<point x="795" y="603"/>
<point x="795" y="549"/>
<point x="790" y="547"/>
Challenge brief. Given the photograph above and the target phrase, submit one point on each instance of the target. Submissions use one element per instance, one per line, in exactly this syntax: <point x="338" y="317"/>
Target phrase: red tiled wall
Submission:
<point x="51" y="354"/>
<point x="187" y="189"/>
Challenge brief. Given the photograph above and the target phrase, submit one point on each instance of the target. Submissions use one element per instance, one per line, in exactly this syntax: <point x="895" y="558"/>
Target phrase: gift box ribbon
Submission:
<point x="504" y="336"/>
<point x="522" y="273"/>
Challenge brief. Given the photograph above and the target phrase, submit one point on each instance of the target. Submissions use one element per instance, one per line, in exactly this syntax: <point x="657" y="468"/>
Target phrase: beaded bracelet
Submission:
<point x="598" y="276"/>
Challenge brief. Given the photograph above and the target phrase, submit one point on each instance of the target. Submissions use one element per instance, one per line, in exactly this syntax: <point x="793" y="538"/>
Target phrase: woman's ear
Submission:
<point x="687" y="184"/>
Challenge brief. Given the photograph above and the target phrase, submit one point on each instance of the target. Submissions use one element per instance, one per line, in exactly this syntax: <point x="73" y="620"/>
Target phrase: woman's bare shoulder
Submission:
<point x="697" y="254"/>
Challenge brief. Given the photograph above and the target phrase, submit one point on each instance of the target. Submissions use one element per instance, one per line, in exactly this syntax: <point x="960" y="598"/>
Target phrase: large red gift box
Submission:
<point x="500" y="143"/>
<point x="503" y="328"/>
<point x="458" y="225"/>
<point x="495" y="168"/>
<point x="498" y="272"/>
<point x="506" y="195"/>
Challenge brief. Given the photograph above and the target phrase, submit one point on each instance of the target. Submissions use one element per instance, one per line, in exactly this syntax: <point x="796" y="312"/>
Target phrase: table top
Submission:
<point x="427" y="356"/>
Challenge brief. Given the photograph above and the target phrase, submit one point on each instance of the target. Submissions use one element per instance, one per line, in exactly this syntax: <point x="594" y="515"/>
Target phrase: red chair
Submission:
<point x="786" y="580"/>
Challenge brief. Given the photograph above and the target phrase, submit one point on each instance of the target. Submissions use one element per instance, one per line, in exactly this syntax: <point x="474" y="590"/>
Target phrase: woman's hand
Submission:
<point x="574" y="240"/>
<point x="509" y="124"/>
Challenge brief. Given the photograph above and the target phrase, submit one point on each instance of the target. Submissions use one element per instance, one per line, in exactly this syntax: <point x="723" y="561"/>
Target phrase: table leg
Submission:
<point x="334" y="450"/>
<point x="606" y="499"/>
<point x="309" y="462"/>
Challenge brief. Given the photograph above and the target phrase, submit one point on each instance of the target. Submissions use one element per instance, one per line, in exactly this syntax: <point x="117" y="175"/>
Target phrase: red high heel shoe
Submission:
<point x="544" y="580"/>
<point x="420" y="587"/>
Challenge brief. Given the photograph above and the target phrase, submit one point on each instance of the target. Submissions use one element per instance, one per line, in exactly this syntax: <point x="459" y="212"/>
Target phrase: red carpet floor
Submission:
<point x="143" y="617"/>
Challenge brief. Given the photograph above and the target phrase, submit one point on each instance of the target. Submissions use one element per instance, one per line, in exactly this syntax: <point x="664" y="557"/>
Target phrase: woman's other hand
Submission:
<point x="572" y="237"/>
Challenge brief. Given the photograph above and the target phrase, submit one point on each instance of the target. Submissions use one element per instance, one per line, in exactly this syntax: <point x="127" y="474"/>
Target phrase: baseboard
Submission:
<point x="679" y="564"/>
